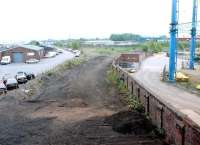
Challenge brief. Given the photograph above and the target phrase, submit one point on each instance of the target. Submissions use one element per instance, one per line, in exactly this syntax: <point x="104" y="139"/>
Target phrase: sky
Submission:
<point x="22" y="20"/>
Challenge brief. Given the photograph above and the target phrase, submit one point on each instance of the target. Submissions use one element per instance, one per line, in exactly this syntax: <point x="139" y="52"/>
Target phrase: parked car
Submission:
<point x="59" y="51"/>
<point x="32" y="60"/>
<point x="30" y="76"/>
<point x="21" y="77"/>
<point x="50" y="54"/>
<point x="5" y="60"/>
<point x="10" y="82"/>
<point x="70" y="49"/>
<point x="3" y="88"/>
<point x="74" y="51"/>
<point x="77" y="53"/>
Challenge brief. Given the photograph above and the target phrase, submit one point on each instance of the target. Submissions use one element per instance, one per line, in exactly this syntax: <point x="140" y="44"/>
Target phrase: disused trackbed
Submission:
<point x="70" y="108"/>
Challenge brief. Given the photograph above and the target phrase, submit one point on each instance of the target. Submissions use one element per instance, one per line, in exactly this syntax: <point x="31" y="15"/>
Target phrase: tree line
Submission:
<point x="126" y="37"/>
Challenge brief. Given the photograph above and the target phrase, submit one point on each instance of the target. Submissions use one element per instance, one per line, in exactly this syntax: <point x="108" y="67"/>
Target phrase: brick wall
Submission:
<point x="179" y="130"/>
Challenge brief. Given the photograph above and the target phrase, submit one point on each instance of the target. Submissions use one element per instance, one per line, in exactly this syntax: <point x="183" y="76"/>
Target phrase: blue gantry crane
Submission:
<point x="193" y="34"/>
<point x="173" y="40"/>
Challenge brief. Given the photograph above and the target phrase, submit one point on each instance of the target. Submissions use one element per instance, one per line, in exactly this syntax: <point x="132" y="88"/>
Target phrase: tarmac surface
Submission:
<point x="177" y="98"/>
<point x="38" y="68"/>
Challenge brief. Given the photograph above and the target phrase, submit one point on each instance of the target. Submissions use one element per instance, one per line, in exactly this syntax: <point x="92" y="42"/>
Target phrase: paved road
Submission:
<point x="180" y="99"/>
<point x="42" y="66"/>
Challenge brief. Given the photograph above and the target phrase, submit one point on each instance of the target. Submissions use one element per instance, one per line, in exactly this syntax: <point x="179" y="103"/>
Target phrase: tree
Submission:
<point x="74" y="44"/>
<point x="34" y="42"/>
<point x="126" y="37"/>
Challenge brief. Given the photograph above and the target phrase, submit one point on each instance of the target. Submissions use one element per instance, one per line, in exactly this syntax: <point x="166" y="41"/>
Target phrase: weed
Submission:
<point x="131" y="100"/>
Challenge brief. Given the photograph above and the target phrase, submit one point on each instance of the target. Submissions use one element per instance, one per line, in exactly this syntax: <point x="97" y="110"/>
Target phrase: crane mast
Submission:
<point x="193" y="35"/>
<point x="173" y="41"/>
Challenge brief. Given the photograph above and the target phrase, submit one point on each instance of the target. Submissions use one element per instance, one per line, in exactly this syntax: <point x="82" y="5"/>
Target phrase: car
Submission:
<point x="77" y="53"/>
<point x="11" y="83"/>
<point x="5" y="60"/>
<point x="59" y="51"/>
<point x="30" y="76"/>
<point x="3" y="89"/>
<point x="70" y="49"/>
<point x="21" y="77"/>
<point x="132" y="70"/>
<point x="32" y="60"/>
<point x="50" y="54"/>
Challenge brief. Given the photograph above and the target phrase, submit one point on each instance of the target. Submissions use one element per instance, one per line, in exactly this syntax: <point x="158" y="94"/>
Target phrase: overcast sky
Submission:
<point x="61" y="19"/>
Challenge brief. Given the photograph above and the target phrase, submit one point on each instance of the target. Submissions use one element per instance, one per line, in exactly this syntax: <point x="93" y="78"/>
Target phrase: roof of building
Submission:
<point x="3" y="49"/>
<point x="47" y="47"/>
<point x="32" y="47"/>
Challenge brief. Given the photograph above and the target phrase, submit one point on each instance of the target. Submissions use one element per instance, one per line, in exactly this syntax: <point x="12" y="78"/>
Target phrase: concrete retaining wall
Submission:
<point x="178" y="128"/>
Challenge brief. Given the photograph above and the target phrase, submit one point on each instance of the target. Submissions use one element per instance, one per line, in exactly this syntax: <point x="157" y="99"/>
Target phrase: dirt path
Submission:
<point x="72" y="108"/>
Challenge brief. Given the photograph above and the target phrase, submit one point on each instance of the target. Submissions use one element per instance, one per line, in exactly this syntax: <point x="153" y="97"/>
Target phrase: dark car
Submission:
<point x="30" y="76"/>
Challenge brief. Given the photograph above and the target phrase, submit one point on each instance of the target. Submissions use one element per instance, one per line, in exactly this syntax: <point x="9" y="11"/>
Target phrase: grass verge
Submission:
<point x="106" y="51"/>
<point x="129" y="99"/>
<point x="66" y="65"/>
<point x="132" y="101"/>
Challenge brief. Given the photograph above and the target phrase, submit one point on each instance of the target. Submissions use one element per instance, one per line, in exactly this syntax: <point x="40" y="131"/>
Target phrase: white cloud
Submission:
<point x="43" y="19"/>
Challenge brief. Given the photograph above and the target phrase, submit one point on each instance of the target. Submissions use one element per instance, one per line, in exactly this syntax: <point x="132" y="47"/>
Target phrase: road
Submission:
<point x="42" y="66"/>
<point x="177" y="98"/>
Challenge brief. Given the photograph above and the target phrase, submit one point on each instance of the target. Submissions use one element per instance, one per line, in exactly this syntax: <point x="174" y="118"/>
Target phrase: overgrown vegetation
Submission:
<point x="66" y="65"/>
<point x="111" y="51"/>
<point x="153" y="46"/>
<point x="131" y="100"/>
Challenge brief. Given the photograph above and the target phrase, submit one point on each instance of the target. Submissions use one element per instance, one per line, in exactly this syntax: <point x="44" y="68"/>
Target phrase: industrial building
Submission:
<point x="22" y="53"/>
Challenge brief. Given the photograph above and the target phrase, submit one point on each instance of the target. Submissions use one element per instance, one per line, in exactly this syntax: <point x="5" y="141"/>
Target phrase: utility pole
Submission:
<point x="193" y="35"/>
<point x="173" y="42"/>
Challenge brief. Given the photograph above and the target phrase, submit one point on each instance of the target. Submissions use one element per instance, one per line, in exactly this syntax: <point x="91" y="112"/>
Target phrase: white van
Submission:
<point x="5" y="60"/>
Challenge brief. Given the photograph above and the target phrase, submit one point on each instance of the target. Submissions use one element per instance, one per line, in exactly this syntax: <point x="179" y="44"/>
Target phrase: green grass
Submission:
<point x="131" y="100"/>
<point x="106" y="51"/>
<point x="66" y="65"/>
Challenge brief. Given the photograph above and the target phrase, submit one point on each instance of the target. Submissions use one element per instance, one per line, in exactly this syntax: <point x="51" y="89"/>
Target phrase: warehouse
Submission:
<point x="22" y="53"/>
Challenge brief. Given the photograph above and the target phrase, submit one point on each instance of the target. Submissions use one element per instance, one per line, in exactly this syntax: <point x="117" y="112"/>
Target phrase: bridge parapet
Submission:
<point x="179" y="128"/>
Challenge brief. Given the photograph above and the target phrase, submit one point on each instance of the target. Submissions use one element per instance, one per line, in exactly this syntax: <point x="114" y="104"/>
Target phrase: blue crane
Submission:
<point x="173" y="41"/>
<point x="193" y="35"/>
